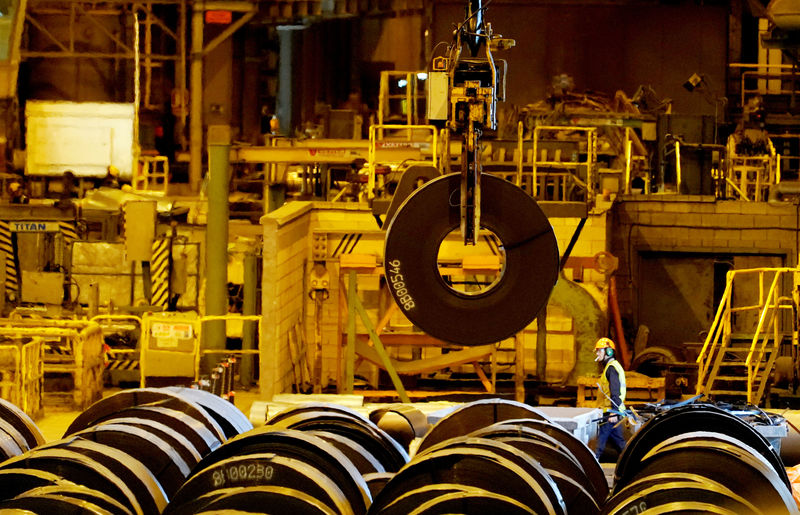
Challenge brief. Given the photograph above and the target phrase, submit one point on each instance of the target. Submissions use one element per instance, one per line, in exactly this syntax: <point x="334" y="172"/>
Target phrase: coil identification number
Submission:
<point x="641" y="507"/>
<point x="401" y="293"/>
<point x="242" y="473"/>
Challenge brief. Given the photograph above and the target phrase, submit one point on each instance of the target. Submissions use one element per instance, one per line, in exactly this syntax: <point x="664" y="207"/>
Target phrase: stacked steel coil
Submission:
<point x="310" y="459"/>
<point x="181" y="451"/>
<point x="700" y="458"/>
<point x="496" y="456"/>
<point x="126" y="454"/>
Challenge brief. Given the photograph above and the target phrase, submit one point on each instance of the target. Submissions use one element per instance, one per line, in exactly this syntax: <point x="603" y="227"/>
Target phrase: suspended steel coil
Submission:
<point x="530" y="271"/>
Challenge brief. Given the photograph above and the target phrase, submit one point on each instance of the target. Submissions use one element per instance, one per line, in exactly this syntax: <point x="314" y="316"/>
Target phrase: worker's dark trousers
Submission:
<point x="608" y="430"/>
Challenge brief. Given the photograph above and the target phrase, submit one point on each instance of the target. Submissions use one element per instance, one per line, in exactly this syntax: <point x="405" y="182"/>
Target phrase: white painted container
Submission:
<point x="82" y="137"/>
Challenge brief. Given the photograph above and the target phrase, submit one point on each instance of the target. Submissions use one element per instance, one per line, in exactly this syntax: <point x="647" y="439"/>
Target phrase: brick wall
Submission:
<point x="697" y="224"/>
<point x="287" y="263"/>
<point x="286" y="247"/>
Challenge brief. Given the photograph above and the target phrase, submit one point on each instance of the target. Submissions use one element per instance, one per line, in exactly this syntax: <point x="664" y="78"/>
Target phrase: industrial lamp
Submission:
<point x="693" y="82"/>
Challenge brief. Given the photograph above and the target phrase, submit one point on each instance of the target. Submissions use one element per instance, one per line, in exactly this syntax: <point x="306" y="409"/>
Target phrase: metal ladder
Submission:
<point x="736" y="364"/>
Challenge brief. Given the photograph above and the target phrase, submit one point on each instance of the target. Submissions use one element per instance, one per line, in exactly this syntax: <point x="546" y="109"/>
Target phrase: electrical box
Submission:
<point x="169" y="345"/>
<point x="140" y="229"/>
<point x="42" y="287"/>
<point x="438" y="103"/>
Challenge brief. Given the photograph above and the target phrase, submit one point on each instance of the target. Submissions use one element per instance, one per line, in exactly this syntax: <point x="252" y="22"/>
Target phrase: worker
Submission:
<point x="111" y="180"/>
<point x="611" y="397"/>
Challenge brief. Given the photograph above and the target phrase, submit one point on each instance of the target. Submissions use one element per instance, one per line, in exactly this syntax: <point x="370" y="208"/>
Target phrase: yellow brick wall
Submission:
<point x="287" y="264"/>
<point x="286" y="247"/>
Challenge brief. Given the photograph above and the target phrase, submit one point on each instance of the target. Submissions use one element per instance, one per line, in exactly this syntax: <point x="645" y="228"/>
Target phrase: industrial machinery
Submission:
<point x="474" y="85"/>
<point x="470" y="86"/>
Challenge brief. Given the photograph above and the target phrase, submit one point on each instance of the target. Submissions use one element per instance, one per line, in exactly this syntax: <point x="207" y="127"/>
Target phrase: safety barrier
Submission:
<point x="231" y="352"/>
<point x="117" y="358"/>
<point x="72" y="348"/>
<point x="22" y="373"/>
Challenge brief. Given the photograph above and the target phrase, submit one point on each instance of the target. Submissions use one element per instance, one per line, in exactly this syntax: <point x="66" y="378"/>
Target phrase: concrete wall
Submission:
<point x="566" y="340"/>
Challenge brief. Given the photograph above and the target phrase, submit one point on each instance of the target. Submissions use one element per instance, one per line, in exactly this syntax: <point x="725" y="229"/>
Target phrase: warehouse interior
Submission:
<point x="398" y="225"/>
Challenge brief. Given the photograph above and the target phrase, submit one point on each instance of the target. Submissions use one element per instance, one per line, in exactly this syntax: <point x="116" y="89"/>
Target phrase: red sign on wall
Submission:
<point x="220" y="17"/>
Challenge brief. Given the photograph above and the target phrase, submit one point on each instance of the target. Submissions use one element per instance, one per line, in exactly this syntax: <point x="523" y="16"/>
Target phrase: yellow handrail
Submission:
<point x="372" y="152"/>
<point x="204" y="352"/>
<point x="769" y="306"/>
<point x="714" y="328"/>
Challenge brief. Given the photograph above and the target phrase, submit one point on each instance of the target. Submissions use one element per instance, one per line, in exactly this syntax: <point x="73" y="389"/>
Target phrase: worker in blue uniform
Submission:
<point x="611" y="396"/>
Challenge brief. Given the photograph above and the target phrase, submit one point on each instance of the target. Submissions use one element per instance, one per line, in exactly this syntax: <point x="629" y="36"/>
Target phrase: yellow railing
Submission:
<point x="111" y="352"/>
<point x="375" y="140"/>
<point x="410" y="99"/>
<point x="21" y="374"/>
<point x="767" y="75"/>
<point x="568" y="169"/>
<point x="239" y="352"/>
<point x="765" y="342"/>
<point x="78" y="351"/>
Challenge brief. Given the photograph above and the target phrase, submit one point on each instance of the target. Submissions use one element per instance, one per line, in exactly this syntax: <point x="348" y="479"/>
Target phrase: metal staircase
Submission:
<point x="736" y="363"/>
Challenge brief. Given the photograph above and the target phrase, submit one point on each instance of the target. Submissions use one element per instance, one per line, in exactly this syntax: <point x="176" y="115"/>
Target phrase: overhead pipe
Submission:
<point x="196" y="100"/>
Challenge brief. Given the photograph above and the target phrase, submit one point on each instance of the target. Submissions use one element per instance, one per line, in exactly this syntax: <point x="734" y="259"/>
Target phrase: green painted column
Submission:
<point x="219" y="145"/>
<point x="249" y="308"/>
<point x="541" y="344"/>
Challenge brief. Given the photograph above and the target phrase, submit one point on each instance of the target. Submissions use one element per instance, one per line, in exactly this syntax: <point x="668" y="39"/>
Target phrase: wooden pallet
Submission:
<point x="640" y="389"/>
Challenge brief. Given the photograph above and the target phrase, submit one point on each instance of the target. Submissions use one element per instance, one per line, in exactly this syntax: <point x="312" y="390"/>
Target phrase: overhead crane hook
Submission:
<point x="474" y="85"/>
